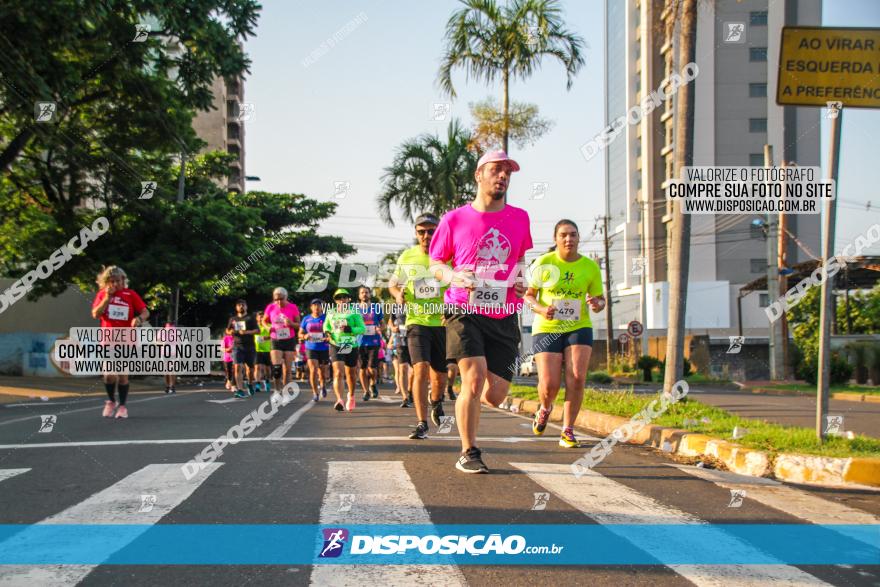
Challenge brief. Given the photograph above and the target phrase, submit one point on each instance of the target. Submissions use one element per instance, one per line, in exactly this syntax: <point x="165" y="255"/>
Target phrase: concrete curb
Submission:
<point x="854" y="396"/>
<point x="795" y="468"/>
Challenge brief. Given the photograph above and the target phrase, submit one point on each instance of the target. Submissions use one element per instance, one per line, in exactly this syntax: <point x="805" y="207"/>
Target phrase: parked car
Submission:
<point x="527" y="367"/>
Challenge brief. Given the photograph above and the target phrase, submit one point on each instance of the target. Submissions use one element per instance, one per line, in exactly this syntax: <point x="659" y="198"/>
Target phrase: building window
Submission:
<point x="757" y="53"/>
<point x="758" y="18"/>
<point x="763" y="300"/>
<point x="758" y="265"/>
<point x="756" y="159"/>
<point x="757" y="90"/>
<point x="757" y="125"/>
<point x="756" y="230"/>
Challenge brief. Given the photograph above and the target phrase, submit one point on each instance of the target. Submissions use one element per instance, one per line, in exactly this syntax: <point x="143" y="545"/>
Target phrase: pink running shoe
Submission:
<point x="108" y="409"/>
<point x="350" y="404"/>
<point x="122" y="412"/>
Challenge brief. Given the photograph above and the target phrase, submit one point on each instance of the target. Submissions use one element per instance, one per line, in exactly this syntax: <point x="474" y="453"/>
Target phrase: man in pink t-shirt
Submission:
<point x="486" y="242"/>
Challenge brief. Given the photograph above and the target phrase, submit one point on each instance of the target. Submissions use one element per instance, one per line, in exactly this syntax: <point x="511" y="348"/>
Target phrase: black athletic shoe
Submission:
<point x="339" y="407"/>
<point x="420" y="432"/>
<point x="172" y="390"/>
<point x="470" y="462"/>
<point x="375" y="390"/>
<point x="404" y="404"/>
<point x="450" y="393"/>
<point x="366" y="397"/>
<point x="437" y="412"/>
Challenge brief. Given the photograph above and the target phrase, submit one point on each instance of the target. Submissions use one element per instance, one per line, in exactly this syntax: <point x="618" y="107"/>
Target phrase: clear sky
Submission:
<point x="340" y="117"/>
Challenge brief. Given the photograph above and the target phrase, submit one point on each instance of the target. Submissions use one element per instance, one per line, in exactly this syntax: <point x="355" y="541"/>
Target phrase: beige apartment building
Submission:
<point x="735" y="116"/>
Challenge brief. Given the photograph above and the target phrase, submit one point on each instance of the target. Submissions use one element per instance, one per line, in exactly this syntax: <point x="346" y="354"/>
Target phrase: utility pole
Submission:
<point x="772" y="280"/>
<point x="181" y="184"/>
<point x="644" y="278"/>
<point x="680" y="250"/>
<point x="782" y="266"/>
<point x="826" y="315"/>
<point x="608" y="304"/>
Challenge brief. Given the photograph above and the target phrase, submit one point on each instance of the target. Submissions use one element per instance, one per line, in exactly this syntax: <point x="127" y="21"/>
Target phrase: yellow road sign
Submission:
<point x="818" y="65"/>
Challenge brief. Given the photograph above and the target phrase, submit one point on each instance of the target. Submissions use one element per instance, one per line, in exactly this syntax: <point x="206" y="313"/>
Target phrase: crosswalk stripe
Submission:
<point x="121" y="503"/>
<point x="786" y="499"/>
<point x="611" y="503"/>
<point x="10" y="473"/>
<point x="382" y="493"/>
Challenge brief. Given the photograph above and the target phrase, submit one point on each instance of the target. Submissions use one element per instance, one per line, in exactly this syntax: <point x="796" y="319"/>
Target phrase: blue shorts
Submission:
<point x="556" y="342"/>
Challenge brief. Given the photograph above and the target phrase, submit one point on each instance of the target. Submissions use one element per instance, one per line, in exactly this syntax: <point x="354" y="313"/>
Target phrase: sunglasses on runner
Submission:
<point x="423" y="231"/>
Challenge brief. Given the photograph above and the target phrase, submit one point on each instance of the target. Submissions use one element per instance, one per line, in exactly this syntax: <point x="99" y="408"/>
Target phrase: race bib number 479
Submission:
<point x="567" y="310"/>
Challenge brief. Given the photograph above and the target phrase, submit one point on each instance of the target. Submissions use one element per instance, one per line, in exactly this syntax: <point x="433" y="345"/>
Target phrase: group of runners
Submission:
<point x="462" y="286"/>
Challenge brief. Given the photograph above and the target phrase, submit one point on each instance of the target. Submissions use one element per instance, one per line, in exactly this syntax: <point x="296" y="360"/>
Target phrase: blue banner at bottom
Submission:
<point x="625" y="544"/>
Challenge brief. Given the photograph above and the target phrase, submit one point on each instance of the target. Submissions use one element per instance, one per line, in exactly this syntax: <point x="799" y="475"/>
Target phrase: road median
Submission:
<point x="853" y="471"/>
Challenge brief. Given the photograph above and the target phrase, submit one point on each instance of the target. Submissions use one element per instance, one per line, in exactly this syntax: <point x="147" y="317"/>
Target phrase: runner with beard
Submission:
<point x="486" y="242"/>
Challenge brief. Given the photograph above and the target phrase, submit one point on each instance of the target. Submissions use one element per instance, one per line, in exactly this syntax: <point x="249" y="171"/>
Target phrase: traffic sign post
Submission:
<point x="823" y="66"/>
<point x="635" y="329"/>
<point x="832" y="68"/>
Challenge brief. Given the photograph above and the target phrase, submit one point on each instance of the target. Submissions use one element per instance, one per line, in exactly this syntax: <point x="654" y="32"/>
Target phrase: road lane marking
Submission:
<point x="118" y="504"/>
<point x="288" y="424"/>
<point x="226" y="401"/>
<point x="788" y="500"/>
<point x="383" y="494"/>
<point x="10" y="473"/>
<point x="323" y="439"/>
<point x="611" y="504"/>
<point x="92" y="407"/>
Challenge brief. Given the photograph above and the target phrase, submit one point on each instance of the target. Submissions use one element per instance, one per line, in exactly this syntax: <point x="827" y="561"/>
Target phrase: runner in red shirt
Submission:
<point x="117" y="306"/>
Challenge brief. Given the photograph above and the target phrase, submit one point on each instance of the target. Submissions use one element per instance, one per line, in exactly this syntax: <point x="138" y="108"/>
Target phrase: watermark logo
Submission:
<point x="315" y="278"/>
<point x="334" y="540"/>
<point x="668" y="88"/>
<point x="541" y="500"/>
<point x="625" y="432"/>
<point x="834" y="425"/>
<point x="341" y="189"/>
<point x="736" y="344"/>
<point x="56" y="260"/>
<point x="736" y="498"/>
<point x="265" y="412"/>
<point x="833" y="109"/>
<point x="734" y="32"/>
<point x="245" y="111"/>
<point x="141" y="32"/>
<point x="739" y="432"/>
<point x="439" y="111"/>
<point x="346" y="500"/>
<point x="446" y="423"/>
<point x="331" y="42"/>
<point x="148" y="190"/>
<point x="638" y="266"/>
<point x="828" y="269"/>
<point x="540" y="189"/>
<point x="147" y="503"/>
<point x="47" y="423"/>
<point x="45" y="111"/>
<point x="533" y="35"/>
<point x="344" y="348"/>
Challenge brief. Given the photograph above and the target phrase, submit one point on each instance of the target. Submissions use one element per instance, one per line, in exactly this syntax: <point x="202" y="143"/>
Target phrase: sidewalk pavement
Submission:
<point x="13" y="388"/>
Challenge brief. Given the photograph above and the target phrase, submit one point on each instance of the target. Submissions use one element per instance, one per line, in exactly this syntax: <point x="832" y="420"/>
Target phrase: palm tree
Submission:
<point x="509" y="42"/>
<point x="429" y="175"/>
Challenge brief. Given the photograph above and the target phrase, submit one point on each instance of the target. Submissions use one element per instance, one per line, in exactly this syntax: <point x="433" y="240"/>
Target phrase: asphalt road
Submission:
<point x="295" y="468"/>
